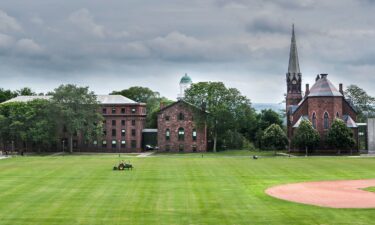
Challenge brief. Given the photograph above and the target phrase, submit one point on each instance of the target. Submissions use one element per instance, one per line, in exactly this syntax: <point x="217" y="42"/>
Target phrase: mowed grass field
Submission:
<point x="170" y="189"/>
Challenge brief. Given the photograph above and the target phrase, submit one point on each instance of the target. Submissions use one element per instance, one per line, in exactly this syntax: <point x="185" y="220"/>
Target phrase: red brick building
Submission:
<point x="124" y="120"/>
<point x="177" y="129"/>
<point x="320" y="105"/>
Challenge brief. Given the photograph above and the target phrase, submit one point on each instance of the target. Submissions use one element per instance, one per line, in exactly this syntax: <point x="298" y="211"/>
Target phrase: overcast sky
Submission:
<point x="114" y="44"/>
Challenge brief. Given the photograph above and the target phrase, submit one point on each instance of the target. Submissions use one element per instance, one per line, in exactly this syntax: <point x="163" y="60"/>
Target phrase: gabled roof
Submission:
<point x="323" y="88"/>
<point x="302" y="118"/>
<point x="102" y="99"/>
<point x="349" y="121"/>
<point x="183" y="101"/>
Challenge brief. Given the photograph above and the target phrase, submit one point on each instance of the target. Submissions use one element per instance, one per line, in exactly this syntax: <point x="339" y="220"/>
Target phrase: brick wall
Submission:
<point x="168" y="118"/>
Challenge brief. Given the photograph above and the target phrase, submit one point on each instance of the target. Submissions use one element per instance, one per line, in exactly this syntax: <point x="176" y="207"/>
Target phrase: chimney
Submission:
<point x="307" y="92"/>
<point x="323" y="75"/>
<point x="317" y="78"/>
<point x="162" y="105"/>
<point x="341" y="89"/>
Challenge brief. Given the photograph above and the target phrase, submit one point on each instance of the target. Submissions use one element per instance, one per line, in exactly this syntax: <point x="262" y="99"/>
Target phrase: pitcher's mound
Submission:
<point x="334" y="194"/>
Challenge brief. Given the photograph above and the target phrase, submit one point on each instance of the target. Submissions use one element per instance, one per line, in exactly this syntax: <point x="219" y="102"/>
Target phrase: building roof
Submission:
<point x="302" y="118"/>
<point x="186" y="79"/>
<point x="185" y="102"/>
<point x="349" y="121"/>
<point x="293" y="67"/>
<point x="324" y="88"/>
<point x="102" y="99"/>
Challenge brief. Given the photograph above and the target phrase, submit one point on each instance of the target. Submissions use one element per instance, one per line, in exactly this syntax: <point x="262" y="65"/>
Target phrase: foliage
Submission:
<point x="340" y="136"/>
<point x="78" y="108"/>
<point x="145" y="95"/>
<point x="306" y="137"/>
<point x="274" y="138"/>
<point x="5" y="95"/>
<point x="228" y="109"/>
<point x="267" y="117"/>
<point x="264" y="119"/>
<point x="30" y="122"/>
<point x="364" y="103"/>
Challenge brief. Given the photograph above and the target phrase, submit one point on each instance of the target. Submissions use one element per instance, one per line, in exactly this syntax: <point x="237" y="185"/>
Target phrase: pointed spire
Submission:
<point x="293" y="57"/>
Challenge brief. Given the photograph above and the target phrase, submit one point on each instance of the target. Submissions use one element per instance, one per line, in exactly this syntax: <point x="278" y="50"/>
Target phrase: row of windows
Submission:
<point x="123" y="110"/>
<point x="181" y="134"/>
<point x="180" y="117"/>
<point x="123" y="132"/>
<point x="122" y="143"/>
<point x="122" y="122"/>
<point x="325" y="120"/>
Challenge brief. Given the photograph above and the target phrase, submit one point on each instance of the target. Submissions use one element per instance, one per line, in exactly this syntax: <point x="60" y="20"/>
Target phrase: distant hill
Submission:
<point x="274" y="106"/>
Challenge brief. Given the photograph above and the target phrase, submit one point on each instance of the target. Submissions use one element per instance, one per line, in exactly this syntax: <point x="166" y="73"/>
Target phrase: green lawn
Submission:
<point x="170" y="190"/>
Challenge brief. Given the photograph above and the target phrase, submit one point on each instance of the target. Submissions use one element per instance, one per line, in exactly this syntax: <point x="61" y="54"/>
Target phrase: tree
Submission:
<point x="306" y="137"/>
<point x="265" y="118"/>
<point x="26" y="91"/>
<point x="274" y="138"/>
<point x="5" y="95"/>
<point x="25" y="122"/>
<point x="145" y="95"/>
<point x="340" y="136"/>
<point x="78" y="108"/>
<point x="225" y="106"/>
<point x="364" y="103"/>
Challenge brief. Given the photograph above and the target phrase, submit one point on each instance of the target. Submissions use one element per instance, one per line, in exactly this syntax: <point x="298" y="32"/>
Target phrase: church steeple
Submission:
<point x="294" y="76"/>
<point x="293" y="55"/>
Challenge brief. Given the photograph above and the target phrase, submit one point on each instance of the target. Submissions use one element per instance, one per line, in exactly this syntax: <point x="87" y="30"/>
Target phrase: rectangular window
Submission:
<point x="104" y="110"/>
<point x="104" y="144"/>
<point x="114" y="143"/>
<point x="123" y="144"/>
<point x="167" y="118"/>
<point x="104" y="132"/>
<point x="194" y="135"/>
<point x="113" y="110"/>
<point x="113" y="132"/>
<point x="123" y="133"/>
<point x="123" y="110"/>
<point x="134" y="144"/>
<point x="133" y="110"/>
<point x="133" y="132"/>
<point x="122" y="122"/>
<point x="104" y="122"/>
<point x="113" y="122"/>
<point x="167" y="148"/>
<point x="194" y="148"/>
<point x="95" y="142"/>
<point x="181" y="147"/>
<point x="133" y="122"/>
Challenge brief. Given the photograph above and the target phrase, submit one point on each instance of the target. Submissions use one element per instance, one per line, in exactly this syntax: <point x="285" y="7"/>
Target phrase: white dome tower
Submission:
<point x="185" y="83"/>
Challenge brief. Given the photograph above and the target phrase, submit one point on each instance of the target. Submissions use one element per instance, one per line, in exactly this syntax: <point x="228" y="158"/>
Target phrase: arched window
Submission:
<point x="181" y="116"/>
<point x="167" y="134"/>
<point x="337" y="115"/>
<point x="194" y="134"/>
<point x="181" y="134"/>
<point x="314" y="120"/>
<point x="326" y="121"/>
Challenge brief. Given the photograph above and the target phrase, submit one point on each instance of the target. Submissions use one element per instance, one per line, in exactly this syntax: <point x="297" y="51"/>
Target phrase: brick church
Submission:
<point x="320" y="104"/>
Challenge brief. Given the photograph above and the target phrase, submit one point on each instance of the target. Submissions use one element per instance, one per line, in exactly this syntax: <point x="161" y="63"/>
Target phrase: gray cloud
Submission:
<point x="115" y="44"/>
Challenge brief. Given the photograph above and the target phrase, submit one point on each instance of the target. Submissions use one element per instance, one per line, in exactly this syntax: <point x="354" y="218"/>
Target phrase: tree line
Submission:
<point x="37" y="124"/>
<point x="232" y="121"/>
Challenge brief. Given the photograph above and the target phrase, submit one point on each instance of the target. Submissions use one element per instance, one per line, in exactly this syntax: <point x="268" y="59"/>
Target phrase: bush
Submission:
<point x="274" y="138"/>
